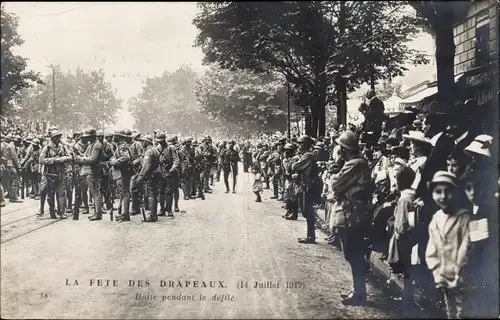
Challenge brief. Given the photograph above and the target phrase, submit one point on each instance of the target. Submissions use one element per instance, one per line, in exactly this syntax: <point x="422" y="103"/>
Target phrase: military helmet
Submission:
<point x="75" y="134"/>
<point x="136" y="136"/>
<point x="160" y="137"/>
<point x="348" y="140"/>
<point x="35" y="142"/>
<point x="194" y="142"/>
<point x="120" y="133"/>
<point x="304" y="139"/>
<point x="108" y="134"/>
<point x="186" y="141"/>
<point x="55" y="133"/>
<point x="289" y="146"/>
<point x="147" y="138"/>
<point x="100" y="133"/>
<point x="127" y="133"/>
<point x="171" y="139"/>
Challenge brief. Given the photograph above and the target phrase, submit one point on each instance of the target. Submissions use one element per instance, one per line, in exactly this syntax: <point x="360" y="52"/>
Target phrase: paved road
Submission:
<point x="227" y="238"/>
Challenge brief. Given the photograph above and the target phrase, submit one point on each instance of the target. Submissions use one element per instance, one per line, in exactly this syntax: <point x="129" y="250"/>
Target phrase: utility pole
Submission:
<point x="288" y="111"/>
<point x="54" y="92"/>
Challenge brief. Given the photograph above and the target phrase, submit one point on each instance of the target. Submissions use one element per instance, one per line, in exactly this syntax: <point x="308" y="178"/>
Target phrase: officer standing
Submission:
<point x="105" y="182"/>
<point x="122" y="171"/>
<point x="53" y="158"/>
<point x="136" y="151"/>
<point x="187" y="168"/>
<point x="199" y="166"/>
<point x="210" y="157"/>
<point x="274" y="163"/>
<point x="307" y="170"/>
<point x="172" y="142"/>
<point x="148" y="177"/>
<point x="230" y="164"/>
<point x="168" y="163"/>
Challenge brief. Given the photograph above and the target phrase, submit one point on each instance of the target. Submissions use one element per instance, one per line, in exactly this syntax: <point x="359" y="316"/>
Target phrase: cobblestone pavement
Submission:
<point x="227" y="240"/>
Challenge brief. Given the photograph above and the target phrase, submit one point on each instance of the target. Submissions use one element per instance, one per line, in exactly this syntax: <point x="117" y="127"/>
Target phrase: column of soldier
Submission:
<point x="142" y="171"/>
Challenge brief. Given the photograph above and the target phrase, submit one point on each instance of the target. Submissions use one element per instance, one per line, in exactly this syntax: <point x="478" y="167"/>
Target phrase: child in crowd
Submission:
<point x="257" y="182"/>
<point x="449" y="243"/>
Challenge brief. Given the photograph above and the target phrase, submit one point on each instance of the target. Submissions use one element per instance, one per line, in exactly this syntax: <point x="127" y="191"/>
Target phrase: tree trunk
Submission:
<point x="445" y="55"/>
<point x="341" y="89"/>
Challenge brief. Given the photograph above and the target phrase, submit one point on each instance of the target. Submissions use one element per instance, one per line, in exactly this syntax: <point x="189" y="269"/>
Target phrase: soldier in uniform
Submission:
<point x="148" y="177"/>
<point x="53" y="159"/>
<point x="264" y="167"/>
<point x="122" y="172"/>
<point x="106" y="184"/>
<point x="274" y="163"/>
<point x="306" y="170"/>
<point x="199" y="165"/>
<point x="230" y="164"/>
<point x="222" y="148"/>
<point x="187" y="168"/>
<point x="81" y="190"/>
<point x="12" y="168"/>
<point x="210" y="155"/>
<point x="24" y="172"/>
<point x="90" y="172"/>
<point x="289" y="195"/>
<point x="247" y="156"/>
<point x="136" y="151"/>
<point x="176" y="173"/>
<point x="169" y="162"/>
<point x="31" y="161"/>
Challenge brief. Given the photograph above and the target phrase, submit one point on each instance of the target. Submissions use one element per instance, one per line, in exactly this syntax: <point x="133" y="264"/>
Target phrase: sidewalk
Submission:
<point x="381" y="268"/>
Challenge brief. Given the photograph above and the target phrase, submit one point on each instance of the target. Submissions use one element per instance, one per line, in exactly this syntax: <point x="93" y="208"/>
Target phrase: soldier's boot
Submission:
<point x="212" y="180"/>
<point x="152" y="212"/>
<point x="61" y="207"/>
<point x="169" y="199"/>
<point x="162" y="205"/>
<point x="295" y="212"/>
<point x="15" y="192"/>
<point x="136" y="207"/>
<point x="267" y="184"/>
<point x="76" y="208"/>
<point x="22" y="191"/>
<point x="85" y="200"/>
<point x="42" y="206"/>
<point x="98" y="206"/>
<point x="288" y="208"/>
<point x="176" y="202"/>
<point x="200" y="192"/>
<point x="275" y="191"/>
<point x="234" y="184"/>
<point x="144" y="200"/>
<point x="70" y="202"/>
<point x="125" y="216"/>
<point x="258" y="198"/>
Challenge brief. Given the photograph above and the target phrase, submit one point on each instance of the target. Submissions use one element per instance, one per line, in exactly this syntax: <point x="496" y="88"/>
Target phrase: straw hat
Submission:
<point x="416" y="136"/>
<point x="444" y="177"/>
<point x="481" y="146"/>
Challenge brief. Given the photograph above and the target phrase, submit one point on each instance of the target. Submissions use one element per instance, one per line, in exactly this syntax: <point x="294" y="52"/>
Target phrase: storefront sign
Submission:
<point x="483" y="77"/>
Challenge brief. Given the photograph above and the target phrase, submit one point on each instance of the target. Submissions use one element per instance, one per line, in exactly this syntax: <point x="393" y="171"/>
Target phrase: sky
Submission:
<point x="130" y="40"/>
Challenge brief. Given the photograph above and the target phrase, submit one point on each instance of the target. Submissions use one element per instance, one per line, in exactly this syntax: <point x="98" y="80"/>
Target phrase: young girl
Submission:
<point x="449" y="242"/>
<point x="257" y="182"/>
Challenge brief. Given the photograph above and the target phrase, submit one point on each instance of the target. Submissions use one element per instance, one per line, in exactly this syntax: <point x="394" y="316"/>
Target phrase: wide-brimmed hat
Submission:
<point x="160" y="137"/>
<point x="136" y="136"/>
<point x="481" y="146"/>
<point x="444" y="177"/>
<point x="147" y="138"/>
<point x="416" y="136"/>
<point x="55" y="133"/>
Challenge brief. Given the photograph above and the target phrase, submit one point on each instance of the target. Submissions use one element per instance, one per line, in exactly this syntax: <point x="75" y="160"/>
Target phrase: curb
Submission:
<point x="381" y="268"/>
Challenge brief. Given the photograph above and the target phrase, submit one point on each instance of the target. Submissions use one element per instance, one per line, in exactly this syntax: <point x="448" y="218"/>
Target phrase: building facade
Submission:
<point x="476" y="55"/>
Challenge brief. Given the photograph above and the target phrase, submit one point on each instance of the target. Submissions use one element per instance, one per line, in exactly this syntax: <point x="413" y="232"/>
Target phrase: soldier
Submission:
<point x="198" y="171"/>
<point x="187" y="168"/>
<point x="264" y="167"/>
<point x="24" y="173"/>
<point x="81" y="190"/>
<point x="168" y="163"/>
<point x="230" y="164"/>
<point x="274" y="163"/>
<point x="90" y="172"/>
<point x="289" y="194"/>
<point x="106" y="180"/>
<point x="222" y="148"/>
<point x="176" y="173"/>
<point x="122" y="172"/>
<point x="34" y="163"/>
<point x="12" y="168"/>
<point x="53" y="159"/>
<point x="210" y="155"/>
<point x="247" y="156"/>
<point x="306" y="170"/>
<point x="109" y="139"/>
<point x="136" y="151"/>
<point x="148" y="177"/>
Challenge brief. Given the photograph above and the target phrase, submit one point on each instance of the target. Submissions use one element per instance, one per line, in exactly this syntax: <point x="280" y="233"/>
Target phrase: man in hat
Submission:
<point x="374" y="114"/>
<point x="198" y="171"/>
<point x="186" y="153"/>
<point x="230" y="161"/>
<point x="274" y="163"/>
<point x="81" y="190"/>
<point x="148" y="178"/>
<point x="306" y="171"/>
<point x="289" y="194"/>
<point x="106" y="181"/>
<point x="172" y="143"/>
<point x="247" y="156"/>
<point x="353" y="188"/>
<point x="136" y="151"/>
<point x="53" y="159"/>
<point x="168" y="164"/>
<point x="12" y="167"/>
<point x="264" y="167"/>
<point x="122" y="171"/>
<point x="90" y="172"/>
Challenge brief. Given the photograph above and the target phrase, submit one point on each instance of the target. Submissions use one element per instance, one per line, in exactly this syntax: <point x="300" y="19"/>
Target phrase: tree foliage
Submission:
<point x="168" y="103"/>
<point x="81" y="99"/>
<point x="15" y="76"/>
<point x="312" y="43"/>
<point x="244" y="100"/>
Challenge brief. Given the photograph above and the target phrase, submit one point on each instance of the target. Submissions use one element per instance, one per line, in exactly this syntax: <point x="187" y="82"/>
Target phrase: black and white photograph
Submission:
<point x="249" y="160"/>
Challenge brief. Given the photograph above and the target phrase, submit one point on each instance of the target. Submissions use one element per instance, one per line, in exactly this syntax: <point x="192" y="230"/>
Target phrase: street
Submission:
<point x="202" y="264"/>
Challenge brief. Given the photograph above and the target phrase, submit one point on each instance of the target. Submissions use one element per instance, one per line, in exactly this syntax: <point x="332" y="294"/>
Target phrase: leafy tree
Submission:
<point x="387" y="89"/>
<point x="15" y="77"/>
<point x="319" y="46"/>
<point x="243" y="100"/>
<point x="439" y="18"/>
<point x="168" y="102"/>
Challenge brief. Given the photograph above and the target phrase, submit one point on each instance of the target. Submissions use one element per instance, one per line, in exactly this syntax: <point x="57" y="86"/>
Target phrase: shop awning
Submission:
<point x="419" y="96"/>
